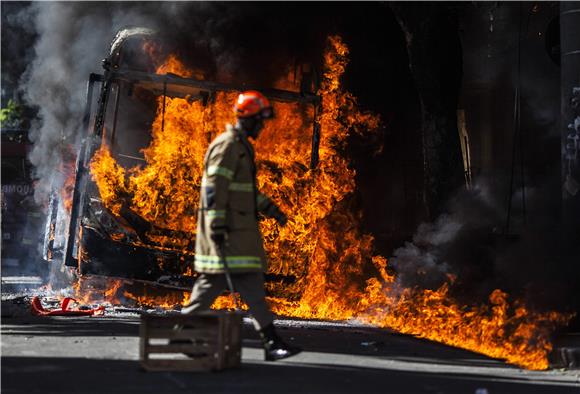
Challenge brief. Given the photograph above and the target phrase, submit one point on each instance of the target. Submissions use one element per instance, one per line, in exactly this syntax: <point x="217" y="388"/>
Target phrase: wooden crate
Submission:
<point x="215" y="336"/>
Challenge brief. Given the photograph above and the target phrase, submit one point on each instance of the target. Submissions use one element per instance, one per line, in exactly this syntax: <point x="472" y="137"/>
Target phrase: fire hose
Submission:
<point x="230" y="283"/>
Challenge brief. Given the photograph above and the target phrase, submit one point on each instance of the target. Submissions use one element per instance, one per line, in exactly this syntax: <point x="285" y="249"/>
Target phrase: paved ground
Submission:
<point x="99" y="355"/>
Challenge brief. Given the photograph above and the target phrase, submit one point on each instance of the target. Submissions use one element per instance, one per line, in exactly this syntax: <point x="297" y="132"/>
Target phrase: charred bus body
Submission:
<point x="84" y="236"/>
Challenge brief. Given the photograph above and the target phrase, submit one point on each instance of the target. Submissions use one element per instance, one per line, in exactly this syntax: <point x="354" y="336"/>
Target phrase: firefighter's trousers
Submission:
<point x="249" y="285"/>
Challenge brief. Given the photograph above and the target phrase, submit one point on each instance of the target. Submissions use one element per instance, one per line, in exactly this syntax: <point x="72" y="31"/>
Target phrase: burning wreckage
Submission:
<point x="128" y="210"/>
<point x="99" y="237"/>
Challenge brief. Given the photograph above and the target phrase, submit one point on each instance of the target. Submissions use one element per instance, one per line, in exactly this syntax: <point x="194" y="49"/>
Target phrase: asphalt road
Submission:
<point x="100" y="355"/>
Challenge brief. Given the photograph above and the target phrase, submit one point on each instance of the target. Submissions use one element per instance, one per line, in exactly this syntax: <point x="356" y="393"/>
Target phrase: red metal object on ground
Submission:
<point x="39" y="310"/>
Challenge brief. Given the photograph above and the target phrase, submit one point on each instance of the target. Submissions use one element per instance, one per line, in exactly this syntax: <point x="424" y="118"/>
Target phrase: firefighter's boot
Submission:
<point x="274" y="347"/>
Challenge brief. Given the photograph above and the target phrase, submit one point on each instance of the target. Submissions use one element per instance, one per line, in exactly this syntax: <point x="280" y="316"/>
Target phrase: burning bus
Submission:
<point x="129" y="205"/>
<point x="135" y="188"/>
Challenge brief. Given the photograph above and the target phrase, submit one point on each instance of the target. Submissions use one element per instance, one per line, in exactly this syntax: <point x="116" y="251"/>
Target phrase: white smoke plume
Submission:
<point x="452" y="245"/>
<point x="72" y="38"/>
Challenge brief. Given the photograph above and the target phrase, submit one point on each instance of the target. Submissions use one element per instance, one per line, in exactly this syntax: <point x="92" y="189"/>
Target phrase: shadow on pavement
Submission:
<point x="346" y="340"/>
<point x="70" y="326"/>
<point x="364" y="341"/>
<point x="78" y="375"/>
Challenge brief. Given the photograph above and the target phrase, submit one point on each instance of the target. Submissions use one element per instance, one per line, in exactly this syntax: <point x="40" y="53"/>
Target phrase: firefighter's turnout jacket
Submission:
<point x="230" y="203"/>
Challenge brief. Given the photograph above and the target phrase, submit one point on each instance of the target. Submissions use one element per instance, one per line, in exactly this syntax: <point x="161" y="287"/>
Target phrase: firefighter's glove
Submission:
<point x="218" y="238"/>
<point x="273" y="211"/>
<point x="218" y="234"/>
<point x="281" y="218"/>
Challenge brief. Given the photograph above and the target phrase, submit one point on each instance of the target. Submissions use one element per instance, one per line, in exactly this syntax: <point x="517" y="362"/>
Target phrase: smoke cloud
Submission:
<point x="456" y="245"/>
<point x="74" y="37"/>
<point x="468" y="245"/>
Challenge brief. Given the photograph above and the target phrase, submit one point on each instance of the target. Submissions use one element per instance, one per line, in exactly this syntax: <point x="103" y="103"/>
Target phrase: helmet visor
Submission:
<point x="267" y="113"/>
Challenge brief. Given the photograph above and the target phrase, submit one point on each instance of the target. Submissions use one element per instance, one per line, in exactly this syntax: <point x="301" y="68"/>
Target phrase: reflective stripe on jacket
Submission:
<point x="229" y="203"/>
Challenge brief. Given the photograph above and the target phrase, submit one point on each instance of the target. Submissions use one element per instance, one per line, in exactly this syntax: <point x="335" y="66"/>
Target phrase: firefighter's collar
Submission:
<point x="238" y="134"/>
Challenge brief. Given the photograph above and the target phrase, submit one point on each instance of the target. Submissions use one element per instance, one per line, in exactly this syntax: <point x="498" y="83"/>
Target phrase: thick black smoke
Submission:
<point x="471" y="245"/>
<point x="468" y="247"/>
<point x="246" y="43"/>
<point x="455" y="244"/>
<point x="18" y="35"/>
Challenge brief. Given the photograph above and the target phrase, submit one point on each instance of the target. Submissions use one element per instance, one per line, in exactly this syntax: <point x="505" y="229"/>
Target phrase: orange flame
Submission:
<point x="110" y="178"/>
<point x="96" y="291"/>
<point x="227" y="302"/>
<point x="174" y="66"/>
<point x="67" y="167"/>
<point x="322" y="247"/>
<point x="148" y="299"/>
<point x="67" y="191"/>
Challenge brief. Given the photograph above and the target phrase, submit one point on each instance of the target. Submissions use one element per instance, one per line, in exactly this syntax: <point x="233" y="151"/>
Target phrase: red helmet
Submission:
<point x="251" y="103"/>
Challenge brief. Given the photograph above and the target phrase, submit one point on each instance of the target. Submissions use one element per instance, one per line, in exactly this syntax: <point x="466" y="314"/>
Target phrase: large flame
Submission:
<point x="335" y="273"/>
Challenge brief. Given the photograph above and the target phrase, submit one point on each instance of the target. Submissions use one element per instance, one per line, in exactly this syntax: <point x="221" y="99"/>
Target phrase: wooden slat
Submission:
<point x="189" y="333"/>
<point x="180" y="318"/>
<point x="189" y="348"/>
<point x="143" y="341"/>
<point x="233" y="341"/>
<point x="220" y="359"/>
<point x="236" y="344"/>
<point x="203" y="323"/>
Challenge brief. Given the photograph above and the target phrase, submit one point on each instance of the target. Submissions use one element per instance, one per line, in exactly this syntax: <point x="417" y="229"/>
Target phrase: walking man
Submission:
<point x="227" y="227"/>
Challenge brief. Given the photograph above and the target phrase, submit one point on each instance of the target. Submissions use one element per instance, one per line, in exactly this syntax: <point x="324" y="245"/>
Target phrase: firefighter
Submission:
<point x="227" y="226"/>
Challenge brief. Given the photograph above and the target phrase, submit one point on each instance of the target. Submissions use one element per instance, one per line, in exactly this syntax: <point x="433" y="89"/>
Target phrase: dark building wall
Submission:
<point x="570" y="110"/>
<point x="390" y="182"/>
<point x="494" y="35"/>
